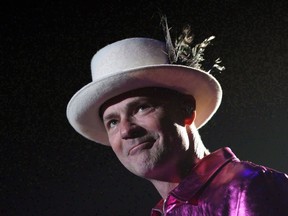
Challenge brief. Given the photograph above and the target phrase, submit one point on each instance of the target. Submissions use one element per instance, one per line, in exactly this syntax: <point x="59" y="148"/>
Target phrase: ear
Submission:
<point x="190" y="119"/>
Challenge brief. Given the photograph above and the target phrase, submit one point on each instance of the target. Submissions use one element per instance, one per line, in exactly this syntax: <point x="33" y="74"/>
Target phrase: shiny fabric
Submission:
<point x="221" y="184"/>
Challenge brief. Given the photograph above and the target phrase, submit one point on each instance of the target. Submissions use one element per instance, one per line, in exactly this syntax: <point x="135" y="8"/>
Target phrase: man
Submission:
<point x="148" y="106"/>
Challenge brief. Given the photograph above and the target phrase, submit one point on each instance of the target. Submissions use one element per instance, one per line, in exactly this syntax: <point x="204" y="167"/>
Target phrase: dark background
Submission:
<point x="46" y="48"/>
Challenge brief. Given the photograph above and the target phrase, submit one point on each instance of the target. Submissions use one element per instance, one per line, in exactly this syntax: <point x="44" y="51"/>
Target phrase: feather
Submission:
<point x="169" y="45"/>
<point x="183" y="52"/>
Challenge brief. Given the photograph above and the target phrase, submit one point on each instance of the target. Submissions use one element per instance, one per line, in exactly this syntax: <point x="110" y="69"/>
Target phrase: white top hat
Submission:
<point x="131" y="64"/>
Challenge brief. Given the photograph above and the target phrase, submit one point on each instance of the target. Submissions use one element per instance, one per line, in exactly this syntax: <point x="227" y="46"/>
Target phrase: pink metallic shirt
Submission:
<point x="220" y="184"/>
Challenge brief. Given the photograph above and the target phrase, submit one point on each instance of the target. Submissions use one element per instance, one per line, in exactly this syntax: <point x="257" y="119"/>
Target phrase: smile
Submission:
<point x="139" y="147"/>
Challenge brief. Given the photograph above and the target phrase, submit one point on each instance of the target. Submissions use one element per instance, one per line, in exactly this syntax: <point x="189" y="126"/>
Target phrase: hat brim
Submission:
<point x="83" y="108"/>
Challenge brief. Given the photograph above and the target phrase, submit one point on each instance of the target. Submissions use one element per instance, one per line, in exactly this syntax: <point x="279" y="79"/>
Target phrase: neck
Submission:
<point x="197" y="152"/>
<point x="164" y="188"/>
<point x="167" y="183"/>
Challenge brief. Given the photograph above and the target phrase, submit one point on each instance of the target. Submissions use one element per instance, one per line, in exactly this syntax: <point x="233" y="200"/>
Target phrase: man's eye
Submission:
<point x="112" y="123"/>
<point x="144" y="108"/>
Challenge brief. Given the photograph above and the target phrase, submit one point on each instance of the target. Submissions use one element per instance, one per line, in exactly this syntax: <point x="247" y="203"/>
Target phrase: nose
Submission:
<point x="130" y="130"/>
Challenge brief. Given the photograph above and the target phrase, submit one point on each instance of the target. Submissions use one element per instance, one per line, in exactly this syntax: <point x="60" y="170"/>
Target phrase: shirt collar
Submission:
<point x="190" y="188"/>
<point x="204" y="170"/>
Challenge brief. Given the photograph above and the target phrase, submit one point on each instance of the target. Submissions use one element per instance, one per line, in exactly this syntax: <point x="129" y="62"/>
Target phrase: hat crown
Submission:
<point x="128" y="54"/>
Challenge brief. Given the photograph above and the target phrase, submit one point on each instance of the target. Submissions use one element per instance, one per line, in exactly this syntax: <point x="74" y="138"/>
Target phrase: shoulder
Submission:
<point x="273" y="180"/>
<point x="255" y="175"/>
<point x="263" y="189"/>
<point x="254" y="172"/>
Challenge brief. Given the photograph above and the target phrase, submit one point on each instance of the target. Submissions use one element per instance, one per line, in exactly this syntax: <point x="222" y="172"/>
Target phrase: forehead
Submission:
<point x="151" y="92"/>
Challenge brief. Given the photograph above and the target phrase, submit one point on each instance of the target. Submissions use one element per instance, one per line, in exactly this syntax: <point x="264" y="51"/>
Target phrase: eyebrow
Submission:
<point x="130" y="105"/>
<point x="108" y="117"/>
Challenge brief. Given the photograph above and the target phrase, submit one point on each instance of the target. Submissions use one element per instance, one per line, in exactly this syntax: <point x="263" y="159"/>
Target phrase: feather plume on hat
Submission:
<point x="183" y="52"/>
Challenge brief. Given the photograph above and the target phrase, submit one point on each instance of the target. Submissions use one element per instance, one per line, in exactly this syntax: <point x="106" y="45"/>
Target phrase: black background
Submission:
<point x="46" y="48"/>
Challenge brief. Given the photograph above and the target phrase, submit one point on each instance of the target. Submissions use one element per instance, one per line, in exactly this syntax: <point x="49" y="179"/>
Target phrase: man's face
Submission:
<point x="143" y="130"/>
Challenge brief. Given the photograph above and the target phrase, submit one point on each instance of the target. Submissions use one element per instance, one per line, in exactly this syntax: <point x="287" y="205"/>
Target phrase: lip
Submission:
<point x="139" y="147"/>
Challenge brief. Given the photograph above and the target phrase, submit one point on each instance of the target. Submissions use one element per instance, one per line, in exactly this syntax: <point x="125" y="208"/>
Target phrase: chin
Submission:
<point x="142" y="171"/>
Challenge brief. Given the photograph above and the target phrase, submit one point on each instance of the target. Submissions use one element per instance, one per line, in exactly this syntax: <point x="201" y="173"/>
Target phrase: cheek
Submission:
<point x="170" y="133"/>
<point x="154" y="122"/>
<point x="116" y="145"/>
<point x="119" y="153"/>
